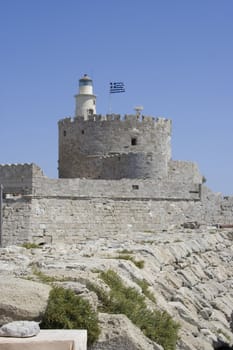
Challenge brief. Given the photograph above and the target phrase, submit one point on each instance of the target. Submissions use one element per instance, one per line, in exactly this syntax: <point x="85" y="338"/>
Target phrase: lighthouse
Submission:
<point x="85" y="99"/>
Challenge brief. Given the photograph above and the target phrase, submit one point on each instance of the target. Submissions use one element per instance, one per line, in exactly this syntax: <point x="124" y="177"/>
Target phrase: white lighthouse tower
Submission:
<point x="85" y="100"/>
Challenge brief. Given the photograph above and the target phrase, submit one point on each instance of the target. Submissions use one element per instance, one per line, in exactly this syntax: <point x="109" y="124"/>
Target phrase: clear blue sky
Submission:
<point x="174" y="56"/>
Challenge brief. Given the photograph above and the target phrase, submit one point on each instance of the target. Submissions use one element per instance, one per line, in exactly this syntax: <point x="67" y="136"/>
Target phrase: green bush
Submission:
<point x="156" y="325"/>
<point x="66" y="310"/>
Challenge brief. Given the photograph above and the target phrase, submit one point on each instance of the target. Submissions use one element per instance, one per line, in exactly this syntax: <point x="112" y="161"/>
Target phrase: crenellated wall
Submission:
<point x="109" y="147"/>
<point x="17" y="178"/>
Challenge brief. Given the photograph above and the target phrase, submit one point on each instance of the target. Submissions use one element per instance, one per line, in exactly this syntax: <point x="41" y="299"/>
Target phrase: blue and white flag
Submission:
<point x="117" y="87"/>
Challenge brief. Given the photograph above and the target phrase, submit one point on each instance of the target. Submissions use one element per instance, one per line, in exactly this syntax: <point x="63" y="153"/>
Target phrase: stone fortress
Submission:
<point x="116" y="177"/>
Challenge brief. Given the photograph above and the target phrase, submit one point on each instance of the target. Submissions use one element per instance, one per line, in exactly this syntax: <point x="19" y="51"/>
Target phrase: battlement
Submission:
<point x="20" y="167"/>
<point x="18" y="178"/>
<point x="156" y="121"/>
<point x="114" y="147"/>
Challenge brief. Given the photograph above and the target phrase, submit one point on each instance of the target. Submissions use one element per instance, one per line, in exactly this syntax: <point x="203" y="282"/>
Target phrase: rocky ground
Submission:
<point x="190" y="273"/>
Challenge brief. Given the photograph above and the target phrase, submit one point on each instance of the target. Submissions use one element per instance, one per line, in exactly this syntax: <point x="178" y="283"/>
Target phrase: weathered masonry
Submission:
<point x="43" y="210"/>
<point x="107" y="147"/>
<point x="116" y="176"/>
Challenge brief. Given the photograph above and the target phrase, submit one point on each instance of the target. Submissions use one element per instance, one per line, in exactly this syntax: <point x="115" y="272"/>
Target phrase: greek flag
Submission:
<point x="117" y="87"/>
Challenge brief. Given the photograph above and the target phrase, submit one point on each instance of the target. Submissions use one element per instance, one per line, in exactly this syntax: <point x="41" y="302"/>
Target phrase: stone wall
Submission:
<point x="70" y="210"/>
<point x="16" y="228"/>
<point x="125" y="188"/>
<point x="18" y="178"/>
<point x="76" y="219"/>
<point x="183" y="171"/>
<point x="111" y="148"/>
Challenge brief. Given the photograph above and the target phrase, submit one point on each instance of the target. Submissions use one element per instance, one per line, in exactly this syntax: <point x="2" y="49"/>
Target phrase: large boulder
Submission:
<point x="119" y="333"/>
<point x="22" y="299"/>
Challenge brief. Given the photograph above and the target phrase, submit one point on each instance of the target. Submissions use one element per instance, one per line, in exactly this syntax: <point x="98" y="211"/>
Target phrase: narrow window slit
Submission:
<point x="133" y="141"/>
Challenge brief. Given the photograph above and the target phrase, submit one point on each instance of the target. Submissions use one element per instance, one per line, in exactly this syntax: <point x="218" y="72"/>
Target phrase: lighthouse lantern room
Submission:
<point x="85" y="99"/>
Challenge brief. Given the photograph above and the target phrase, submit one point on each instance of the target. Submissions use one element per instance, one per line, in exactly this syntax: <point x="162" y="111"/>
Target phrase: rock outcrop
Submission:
<point x="118" y="333"/>
<point x="189" y="271"/>
<point x="22" y="299"/>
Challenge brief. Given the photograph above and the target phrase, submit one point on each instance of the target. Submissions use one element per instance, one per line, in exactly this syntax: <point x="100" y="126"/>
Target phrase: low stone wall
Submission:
<point x="125" y="188"/>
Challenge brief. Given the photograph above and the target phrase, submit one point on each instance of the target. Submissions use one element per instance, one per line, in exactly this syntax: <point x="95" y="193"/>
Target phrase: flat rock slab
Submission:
<point x="22" y="299"/>
<point x="52" y="339"/>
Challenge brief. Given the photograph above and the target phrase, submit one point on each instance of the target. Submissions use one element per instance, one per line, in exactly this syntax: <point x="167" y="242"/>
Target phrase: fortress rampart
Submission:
<point x="116" y="176"/>
<point x="108" y="147"/>
<point x="72" y="210"/>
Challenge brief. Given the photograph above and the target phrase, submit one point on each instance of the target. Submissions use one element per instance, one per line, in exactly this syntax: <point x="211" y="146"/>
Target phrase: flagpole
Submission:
<point x="109" y="103"/>
<point x="115" y="87"/>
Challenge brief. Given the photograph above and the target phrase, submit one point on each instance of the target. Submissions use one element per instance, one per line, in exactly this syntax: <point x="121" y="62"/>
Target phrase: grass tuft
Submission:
<point x="139" y="263"/>
<point x="29" y="245"/>
<point x="42" y="277"/>
<point x="125" y="251"/>
<point x="144" y="286"/>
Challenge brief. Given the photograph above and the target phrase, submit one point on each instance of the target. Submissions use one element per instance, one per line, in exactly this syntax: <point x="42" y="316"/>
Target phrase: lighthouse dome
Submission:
<point x="85" y="81"/>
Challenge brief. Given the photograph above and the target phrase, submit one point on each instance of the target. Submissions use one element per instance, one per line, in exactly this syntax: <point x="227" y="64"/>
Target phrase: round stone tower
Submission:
<point x="85" y="99"/>
<point x="110" y="147"/>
